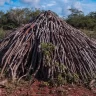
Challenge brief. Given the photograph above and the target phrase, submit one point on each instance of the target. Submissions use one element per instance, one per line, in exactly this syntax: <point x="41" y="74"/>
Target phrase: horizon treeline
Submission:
<point x="16" y="17"/>
<point x="79" y="20"/>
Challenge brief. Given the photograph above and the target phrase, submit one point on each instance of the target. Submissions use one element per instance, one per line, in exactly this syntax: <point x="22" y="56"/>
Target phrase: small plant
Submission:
<point x="44" y="84"/>
<point x="52" y="82"/>
<point x="75" y="78"/>
<point x="47" y="49"/>
<point x="60" y="80"/>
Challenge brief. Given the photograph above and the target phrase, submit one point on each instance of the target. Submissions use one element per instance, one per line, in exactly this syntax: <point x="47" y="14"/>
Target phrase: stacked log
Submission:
<point x="48" y="47"/>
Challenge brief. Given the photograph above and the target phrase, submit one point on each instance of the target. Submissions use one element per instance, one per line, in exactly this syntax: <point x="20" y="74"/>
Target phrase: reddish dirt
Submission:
<point x="40" y="89"/>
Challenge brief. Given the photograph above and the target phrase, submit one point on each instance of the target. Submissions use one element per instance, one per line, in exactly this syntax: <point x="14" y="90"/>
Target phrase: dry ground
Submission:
<point x="39" y="88"/>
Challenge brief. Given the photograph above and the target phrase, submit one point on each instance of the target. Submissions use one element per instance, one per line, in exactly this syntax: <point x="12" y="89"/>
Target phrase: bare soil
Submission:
<point x="40" y="88"/>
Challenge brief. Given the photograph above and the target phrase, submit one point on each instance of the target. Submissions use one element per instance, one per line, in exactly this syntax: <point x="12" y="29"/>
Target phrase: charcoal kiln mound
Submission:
<point x="46" y="48"/>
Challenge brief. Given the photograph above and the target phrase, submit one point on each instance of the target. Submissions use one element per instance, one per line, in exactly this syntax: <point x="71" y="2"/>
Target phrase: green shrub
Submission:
<point x="47" y="49"/>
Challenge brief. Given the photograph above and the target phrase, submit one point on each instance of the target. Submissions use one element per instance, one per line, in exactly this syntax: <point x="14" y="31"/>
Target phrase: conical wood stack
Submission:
<point x="46" y="48"/>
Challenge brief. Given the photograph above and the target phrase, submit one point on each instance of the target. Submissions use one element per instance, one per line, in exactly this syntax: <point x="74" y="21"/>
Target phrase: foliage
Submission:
<point x="75" y="13"/>
<point x="47" y="48"/>
<point x="16" y="17"/>
<point x="81" y="21"/>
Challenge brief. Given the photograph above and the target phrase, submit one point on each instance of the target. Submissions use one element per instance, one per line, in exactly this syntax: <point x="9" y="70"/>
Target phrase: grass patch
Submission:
<point x="90" y="34"/>
<point x="2" y="33"/>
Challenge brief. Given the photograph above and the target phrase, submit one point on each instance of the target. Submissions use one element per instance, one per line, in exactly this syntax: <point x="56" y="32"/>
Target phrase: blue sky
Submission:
<point x="59" y="6"/>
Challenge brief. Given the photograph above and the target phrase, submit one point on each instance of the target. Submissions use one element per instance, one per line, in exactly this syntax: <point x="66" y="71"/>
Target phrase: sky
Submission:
<point x="59" y="6"/>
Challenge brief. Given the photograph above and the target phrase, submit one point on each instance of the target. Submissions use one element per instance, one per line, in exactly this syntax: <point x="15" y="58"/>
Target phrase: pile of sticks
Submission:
<point x="47" y="47"/>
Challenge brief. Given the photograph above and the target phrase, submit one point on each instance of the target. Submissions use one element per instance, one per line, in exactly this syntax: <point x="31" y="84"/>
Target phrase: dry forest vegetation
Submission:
<point x="39" y="50"/>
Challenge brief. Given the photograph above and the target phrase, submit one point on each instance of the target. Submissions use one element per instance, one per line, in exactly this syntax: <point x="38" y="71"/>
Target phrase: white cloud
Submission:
<point x="20" y="7"/>
<point x="61" y="6"/>
<point x="78" y="5"/>
<point x="31" y="2"/>
<point x="50" y="4"/>
<point x="43" y="6"/>
<point x="2" y="2"/>
<point x="66" y="1"/>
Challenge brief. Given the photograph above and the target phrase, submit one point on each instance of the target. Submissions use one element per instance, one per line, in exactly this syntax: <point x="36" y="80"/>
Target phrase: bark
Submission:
<point x="47" y="47"/>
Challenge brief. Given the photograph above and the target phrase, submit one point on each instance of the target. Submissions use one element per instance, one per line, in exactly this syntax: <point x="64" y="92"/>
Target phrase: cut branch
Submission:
<point x="46" y="48"/>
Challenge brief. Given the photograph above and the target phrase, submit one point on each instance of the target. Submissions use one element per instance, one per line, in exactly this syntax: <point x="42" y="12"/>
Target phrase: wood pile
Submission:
<point x="47" y="48"/>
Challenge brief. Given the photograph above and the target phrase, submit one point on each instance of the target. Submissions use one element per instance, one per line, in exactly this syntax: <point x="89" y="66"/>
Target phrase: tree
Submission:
<point x="92" y="14"/>
<point x="75" y="18"/>
<point x="16" y="17"/>
<point x="75" y="13"/>
<point x="78" y="20"/>
<point x="1" y="14"/>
